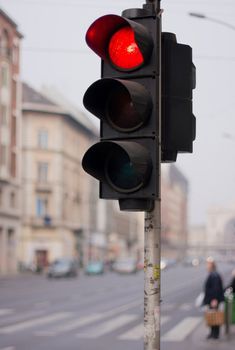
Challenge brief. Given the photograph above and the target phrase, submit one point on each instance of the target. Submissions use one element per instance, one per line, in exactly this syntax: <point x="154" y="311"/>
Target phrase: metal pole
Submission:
<point x="152" y="238"/>
<point x="152" y="255"/>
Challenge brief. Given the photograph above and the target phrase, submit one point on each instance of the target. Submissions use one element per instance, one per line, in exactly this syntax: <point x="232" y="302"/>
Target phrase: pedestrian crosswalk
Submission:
<point x="121" y="322"/>
<point x="34" y="322"/>
<point x="182" y="329"/>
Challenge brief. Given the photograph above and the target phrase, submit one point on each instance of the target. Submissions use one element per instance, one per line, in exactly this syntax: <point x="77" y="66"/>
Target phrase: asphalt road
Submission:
<point x="98" y="312"/>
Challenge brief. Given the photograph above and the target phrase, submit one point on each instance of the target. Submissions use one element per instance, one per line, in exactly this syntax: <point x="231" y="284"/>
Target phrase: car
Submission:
<point x="167" y="262"/>
<point x="163" y="264"/>
<point x="63" y="268"/>
<point x="191" y="261"/>
<point x="125" y="265"/>
<point x="94" y="268"/>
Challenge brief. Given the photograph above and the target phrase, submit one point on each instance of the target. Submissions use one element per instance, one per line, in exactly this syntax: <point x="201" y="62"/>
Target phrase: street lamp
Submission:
<point x="228" y="136"/>
<point x="203" y="16"/>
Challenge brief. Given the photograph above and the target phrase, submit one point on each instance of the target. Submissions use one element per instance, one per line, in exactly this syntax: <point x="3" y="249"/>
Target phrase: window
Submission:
<point x="13" y="130"/>
<point x="5" y="76"/>
<point x="4" y="115"/>
<point x="15" y="54"/>
<point x="43" y="172"/>
<point x="13" y="200"/>
<point x="43" y="139"/>
<point x="5" y="44"/>
<point x="13" y="164"/>
<point x="41" y="206"/>
<point x="3" y="155"/>
<point x="10" y="237"/>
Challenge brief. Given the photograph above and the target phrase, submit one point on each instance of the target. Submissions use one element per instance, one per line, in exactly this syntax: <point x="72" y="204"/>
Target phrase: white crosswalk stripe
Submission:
<point x="86" y="320"/>
<point x="186" y="307"/>
<point x="71" y="325"/>
<point x="182" y="329"/>
<point x="4" y="312"/>
<point x="34" y="322"/>
<point x="108" y="326"/>
<point x="20" y="317"/>
<point x="137" y="332"/>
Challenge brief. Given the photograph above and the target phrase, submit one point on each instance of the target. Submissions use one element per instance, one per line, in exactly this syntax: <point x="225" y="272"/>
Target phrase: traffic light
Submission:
<point x="126" y="101"/>
<point x="178" y="81"/>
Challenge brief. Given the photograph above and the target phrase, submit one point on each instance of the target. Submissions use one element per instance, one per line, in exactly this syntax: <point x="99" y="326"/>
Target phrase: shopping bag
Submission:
<point x="199" y="300"/>
<point x="214" y="317"/>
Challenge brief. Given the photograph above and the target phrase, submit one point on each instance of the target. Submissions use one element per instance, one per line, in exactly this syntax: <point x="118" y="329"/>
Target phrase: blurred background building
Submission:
<point x="10" y="157"/>
<point x="56" y="192"/>
<point x="220" y="228"/>
<point x="62" y="215"/>
<point x="174" y="209"/>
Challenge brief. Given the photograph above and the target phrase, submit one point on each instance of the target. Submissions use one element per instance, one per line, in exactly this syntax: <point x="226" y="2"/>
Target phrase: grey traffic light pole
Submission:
<point x="152" y="238"/>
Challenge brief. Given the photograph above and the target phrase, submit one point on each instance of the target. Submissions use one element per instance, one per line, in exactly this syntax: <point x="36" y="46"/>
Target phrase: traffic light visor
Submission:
<point x="125" y="166"/>
<point x="124" y="43"/>
<point x="125" y="105"/>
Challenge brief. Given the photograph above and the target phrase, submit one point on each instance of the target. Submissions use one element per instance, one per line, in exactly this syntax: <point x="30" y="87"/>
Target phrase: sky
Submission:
<point x="54" y="53"/>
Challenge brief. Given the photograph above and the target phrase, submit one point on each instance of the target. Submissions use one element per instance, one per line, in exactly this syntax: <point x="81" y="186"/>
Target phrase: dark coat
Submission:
<point x="213" y="288"/>
<point x="232" y="284"/>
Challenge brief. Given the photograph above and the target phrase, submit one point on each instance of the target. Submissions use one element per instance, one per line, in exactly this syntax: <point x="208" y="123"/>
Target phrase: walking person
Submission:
<point x="232" y="282"/>
<point x="214" y="293"/>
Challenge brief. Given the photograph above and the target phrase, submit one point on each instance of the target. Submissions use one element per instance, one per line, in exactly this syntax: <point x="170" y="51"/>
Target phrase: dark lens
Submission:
<point x="121" y="173"/>
<point x="121" y="113"/>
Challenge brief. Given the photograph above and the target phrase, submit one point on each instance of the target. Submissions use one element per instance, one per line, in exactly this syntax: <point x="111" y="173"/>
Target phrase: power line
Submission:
<point x="54" y="50"/>
<point x="83" y="51"/>
<point x="215" y="58"/>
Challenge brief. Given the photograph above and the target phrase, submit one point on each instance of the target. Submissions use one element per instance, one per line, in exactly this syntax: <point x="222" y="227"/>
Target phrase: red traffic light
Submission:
<point x="126" y="44"/>
<point x="124" y="52"/>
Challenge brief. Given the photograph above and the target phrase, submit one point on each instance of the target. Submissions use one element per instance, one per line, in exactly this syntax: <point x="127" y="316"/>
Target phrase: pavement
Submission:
<point x="225" y="342"/>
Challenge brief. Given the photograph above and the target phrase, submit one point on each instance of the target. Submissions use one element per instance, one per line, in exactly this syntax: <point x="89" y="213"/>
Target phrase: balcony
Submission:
<point x="4" y="175"/>
<point x="45" y="187"/>
<point x="41" y="222"/>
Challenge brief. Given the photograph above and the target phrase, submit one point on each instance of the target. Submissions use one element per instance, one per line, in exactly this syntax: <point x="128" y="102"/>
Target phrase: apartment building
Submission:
<point x="10" y="143"/>
<point x="57" y="194"/>
<point x="174" y="188"/>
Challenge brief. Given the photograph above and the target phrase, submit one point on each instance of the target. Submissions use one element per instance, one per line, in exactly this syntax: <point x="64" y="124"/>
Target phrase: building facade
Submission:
<point x="57" y="193"/>
<point x="220" y="229"/>
<point x="174" y="187"/>
<point x="62" y="212"/>
<point x="10" y="143"/>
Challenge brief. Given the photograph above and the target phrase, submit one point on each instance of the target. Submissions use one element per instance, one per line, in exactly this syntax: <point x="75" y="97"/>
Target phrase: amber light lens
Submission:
<point x="123" y="50"/>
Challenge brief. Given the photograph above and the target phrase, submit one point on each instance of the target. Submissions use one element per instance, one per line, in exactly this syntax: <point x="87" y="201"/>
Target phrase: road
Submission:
<point x="99" y="312"/>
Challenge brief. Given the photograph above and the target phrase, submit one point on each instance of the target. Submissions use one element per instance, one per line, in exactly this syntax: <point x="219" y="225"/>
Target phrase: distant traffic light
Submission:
<point x="178" y="81"/>
<point x="126" y="100"/>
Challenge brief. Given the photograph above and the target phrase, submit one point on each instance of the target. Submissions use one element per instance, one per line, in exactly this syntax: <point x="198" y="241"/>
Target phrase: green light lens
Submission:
<point x="120" y="172"/>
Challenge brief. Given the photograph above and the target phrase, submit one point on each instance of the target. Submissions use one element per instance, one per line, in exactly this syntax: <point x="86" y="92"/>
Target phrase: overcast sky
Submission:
<point x="54" y="53"/>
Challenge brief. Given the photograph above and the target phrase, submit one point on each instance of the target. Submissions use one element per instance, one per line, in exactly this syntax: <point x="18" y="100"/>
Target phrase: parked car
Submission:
<point x="125" y="265"/>
<point x="191" y="261"/>
<point x="94" y="268"/>
<point x="163" y="264"/>
<point x="63" y="268"/>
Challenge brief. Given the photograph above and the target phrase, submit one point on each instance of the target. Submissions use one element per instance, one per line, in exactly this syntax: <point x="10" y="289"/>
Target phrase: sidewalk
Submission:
<point x="224" y="343"/>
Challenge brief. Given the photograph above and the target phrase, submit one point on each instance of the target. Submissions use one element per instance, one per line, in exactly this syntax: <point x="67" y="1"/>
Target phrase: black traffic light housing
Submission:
<point x="178" y="81"/>
<point x="126" y="100"/>
<point x="138" y="91"/>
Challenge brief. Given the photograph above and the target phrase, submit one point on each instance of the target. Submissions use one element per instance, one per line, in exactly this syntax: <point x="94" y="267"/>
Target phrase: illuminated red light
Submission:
<point x="124" y="53"/>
